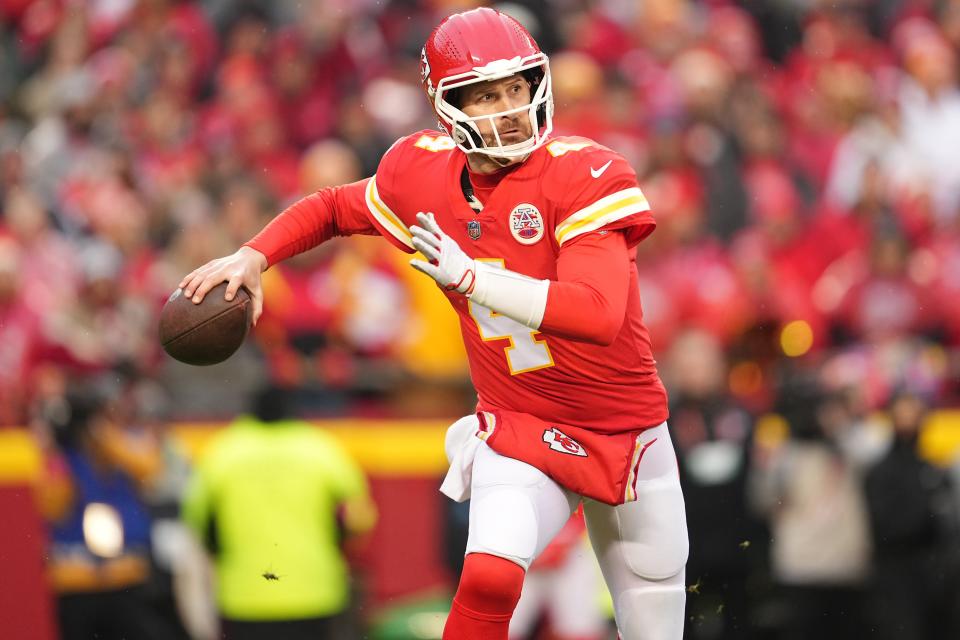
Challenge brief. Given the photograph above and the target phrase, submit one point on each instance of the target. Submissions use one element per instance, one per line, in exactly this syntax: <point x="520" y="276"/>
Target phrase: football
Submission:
<point x="206" y="333"/>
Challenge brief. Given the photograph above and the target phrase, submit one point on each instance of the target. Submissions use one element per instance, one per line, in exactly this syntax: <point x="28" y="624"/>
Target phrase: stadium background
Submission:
<point x="800" y="156"/>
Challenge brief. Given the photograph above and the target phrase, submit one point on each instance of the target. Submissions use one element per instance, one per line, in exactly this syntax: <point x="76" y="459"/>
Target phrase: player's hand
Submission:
<point x="448" y="264"/>
<point x="242" y="267"/>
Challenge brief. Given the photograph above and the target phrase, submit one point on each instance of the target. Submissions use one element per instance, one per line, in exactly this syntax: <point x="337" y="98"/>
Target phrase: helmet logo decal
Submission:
<point x="526" y="224"/>
<point x="425" y="72"/>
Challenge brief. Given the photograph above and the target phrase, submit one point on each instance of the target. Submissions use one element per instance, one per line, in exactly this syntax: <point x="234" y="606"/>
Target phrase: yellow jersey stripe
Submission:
<point x="593" y="217"/>
<point x="384" y="216"/>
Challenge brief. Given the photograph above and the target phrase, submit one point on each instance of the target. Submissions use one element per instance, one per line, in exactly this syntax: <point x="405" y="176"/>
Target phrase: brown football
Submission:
<point x="205" y="333"/>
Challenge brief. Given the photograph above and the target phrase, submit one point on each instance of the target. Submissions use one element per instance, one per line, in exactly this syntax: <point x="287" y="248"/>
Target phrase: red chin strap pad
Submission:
<point x="488" y="593"/>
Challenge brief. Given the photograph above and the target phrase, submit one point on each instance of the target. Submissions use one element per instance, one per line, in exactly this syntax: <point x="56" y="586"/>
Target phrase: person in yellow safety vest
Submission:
<point x="270" y="499"/>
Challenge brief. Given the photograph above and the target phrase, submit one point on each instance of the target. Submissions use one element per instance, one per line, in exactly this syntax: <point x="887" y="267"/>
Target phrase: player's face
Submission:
<point x="495" y="96"/>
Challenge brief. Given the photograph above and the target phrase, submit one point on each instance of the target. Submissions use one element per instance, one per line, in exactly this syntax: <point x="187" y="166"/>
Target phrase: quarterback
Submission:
<point x="531" y="239"/>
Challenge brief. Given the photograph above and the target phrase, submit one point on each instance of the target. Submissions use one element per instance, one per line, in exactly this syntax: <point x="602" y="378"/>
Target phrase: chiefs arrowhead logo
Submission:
<point x="559" y="441"/>
<point x="425" y="73"/>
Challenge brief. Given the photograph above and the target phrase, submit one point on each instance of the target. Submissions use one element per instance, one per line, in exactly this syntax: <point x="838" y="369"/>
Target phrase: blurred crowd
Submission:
<point x="799" y="156"/>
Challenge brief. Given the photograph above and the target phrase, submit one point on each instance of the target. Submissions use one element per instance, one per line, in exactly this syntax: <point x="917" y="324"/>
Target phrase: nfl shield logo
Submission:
<point x="473" y="230"/>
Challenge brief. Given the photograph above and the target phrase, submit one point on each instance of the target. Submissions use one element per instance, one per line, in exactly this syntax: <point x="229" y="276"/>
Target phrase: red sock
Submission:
<point x="488" y="593"/>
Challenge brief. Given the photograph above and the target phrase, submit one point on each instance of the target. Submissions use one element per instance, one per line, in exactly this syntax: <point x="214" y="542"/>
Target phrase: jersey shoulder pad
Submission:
<point x="597" y="189"/>
<point x="420" y="154"/>
<point x="384" y="193"/>
<point x="423" y="146"/>
<point x="431" y="141"/>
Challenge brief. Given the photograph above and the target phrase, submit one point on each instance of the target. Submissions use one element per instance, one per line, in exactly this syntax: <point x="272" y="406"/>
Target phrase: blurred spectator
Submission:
<point x="929" y="102"/>
<point x="883" y="302"/>
<point x="173" y="546"/>
<point x="48" y="266"/>
<point x="271" y="499"/>
<point x="820" y="538"/>
<point x="99" y="562"/>
<point x="713" y="436"/>
<point x="18" y="338"/>
<point x="914" y="524"/>
<point x="99" y="328"/>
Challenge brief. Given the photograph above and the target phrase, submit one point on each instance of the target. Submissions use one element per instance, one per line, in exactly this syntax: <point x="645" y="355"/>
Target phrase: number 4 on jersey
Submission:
<point x="525" y="352"/>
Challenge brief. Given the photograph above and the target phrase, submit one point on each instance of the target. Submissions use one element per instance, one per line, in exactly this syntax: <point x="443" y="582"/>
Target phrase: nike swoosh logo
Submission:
<point x="596" y="173"/>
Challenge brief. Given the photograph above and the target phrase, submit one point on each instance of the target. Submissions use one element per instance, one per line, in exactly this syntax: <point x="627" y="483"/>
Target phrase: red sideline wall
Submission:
<point x="403" y="459"/>
<point x="26" y="604"/>
<point x="404" y="462"/>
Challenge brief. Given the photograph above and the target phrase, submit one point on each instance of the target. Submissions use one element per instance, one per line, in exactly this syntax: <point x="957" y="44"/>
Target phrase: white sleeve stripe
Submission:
<point x="387" y="218"/>
<point x="610" y="207"/>
<point x="603" y="221"/>
<point x="602" y="203"/>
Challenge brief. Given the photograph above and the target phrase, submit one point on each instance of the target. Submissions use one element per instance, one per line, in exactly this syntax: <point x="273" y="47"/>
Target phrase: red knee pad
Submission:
<point x="489" y="586"/>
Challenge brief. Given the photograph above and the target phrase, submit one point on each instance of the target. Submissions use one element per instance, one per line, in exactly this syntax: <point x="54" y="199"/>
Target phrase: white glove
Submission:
<point x="449" y="265"/>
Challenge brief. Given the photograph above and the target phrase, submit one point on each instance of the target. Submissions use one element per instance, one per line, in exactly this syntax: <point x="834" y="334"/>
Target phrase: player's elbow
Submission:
<point x="602" y="330"/>
<point x="597" y="324"/>
<point x="607" y="337"/>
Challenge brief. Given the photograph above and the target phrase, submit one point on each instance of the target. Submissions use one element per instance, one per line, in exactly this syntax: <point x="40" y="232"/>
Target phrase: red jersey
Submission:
<point x="566" y="189"/>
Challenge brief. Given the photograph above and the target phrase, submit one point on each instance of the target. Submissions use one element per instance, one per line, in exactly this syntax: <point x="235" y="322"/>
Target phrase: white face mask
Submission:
<point x="464" y="129"/>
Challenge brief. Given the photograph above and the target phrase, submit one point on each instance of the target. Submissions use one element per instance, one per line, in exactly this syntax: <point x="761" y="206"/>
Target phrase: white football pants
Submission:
<point x="515" y="510"/>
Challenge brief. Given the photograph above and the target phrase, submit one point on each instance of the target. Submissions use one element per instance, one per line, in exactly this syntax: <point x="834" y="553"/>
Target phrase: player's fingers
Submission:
<point x="186" y="280"/>
<point x="209" y="282"/>
<point x="195" y="279"/>
<point x="427" y="239"/>
<point x="425" y="234"/>
<point x="190" y="283"/>
<point x="434" y="226"/>
<point x="233" y="284"/>
<point x="256" y="295"/>
<point x="426" y="249"/>
<point x="428" y="222"/>
<point x="199" y="273"/>
<point x="426" y="267"/>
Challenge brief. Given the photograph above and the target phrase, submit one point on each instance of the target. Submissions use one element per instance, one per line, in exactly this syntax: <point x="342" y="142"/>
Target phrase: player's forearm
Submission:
<point x="579" y="312"/>
<point x="586" y="303"/>
<point x="511" y="294"/>
<point x="589" y="300"/>
<point x="311" y="221"/>
<point x="570" y="310"/>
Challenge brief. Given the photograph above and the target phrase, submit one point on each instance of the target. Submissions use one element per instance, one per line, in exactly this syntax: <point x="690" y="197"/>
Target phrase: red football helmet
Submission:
<point x="477" y="46"/>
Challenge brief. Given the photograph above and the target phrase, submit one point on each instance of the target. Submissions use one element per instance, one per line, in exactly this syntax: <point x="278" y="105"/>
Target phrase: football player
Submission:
<point x="531" y="237"/>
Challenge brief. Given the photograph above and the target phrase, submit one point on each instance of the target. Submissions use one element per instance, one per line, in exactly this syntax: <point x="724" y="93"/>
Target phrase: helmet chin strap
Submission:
<point x="462" y="132"/>
<point x="499" y="162"/>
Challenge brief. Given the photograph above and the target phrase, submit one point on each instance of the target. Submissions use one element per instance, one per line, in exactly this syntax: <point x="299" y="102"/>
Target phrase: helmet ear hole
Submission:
<point x="453" y="97"/>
